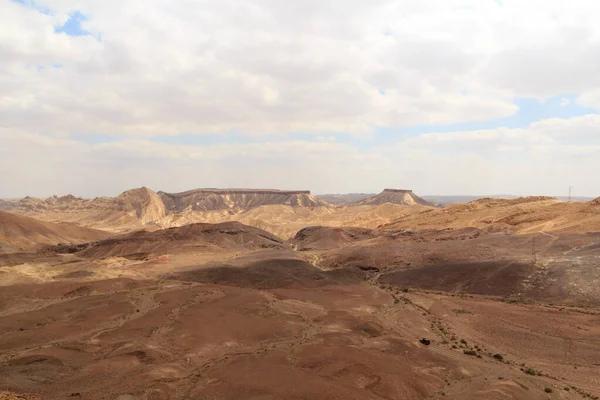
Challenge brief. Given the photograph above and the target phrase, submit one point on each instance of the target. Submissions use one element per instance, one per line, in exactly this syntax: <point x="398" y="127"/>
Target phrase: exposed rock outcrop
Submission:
<point x="136" y="207"/>
<point x="148" y="205"/>
<point x="236" y="199"/>
<point x="324" y="237"/>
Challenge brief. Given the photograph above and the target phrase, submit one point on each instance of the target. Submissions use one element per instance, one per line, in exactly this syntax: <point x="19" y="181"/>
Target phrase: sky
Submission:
<point x="442" y="97"/>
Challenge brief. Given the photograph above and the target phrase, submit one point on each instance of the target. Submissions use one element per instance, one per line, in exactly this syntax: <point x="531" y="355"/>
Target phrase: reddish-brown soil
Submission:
<point x="228" y="311"/>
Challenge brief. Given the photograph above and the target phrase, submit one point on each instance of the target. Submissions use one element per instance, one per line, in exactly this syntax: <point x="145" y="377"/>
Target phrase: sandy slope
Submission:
<point x="523" y="215"/>
<point x="285" y="221"/>
<point x="23" y="233"/>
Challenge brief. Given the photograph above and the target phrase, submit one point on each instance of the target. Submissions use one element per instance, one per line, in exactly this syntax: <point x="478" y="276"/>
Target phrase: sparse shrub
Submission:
<point x="405" y="290"/>
<point x="454" y="346"/>
<point x="463" y="341"/>
<point x="470" y="352"/>
<point x="567" y="388"/>
<point x="530" y="371"/>
<point x="498" y="357"/>
<point x="548" y="390"/>
<point x="500" y="377"/>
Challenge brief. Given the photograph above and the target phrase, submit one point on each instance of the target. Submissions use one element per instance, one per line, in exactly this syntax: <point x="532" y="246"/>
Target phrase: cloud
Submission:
<point x="543" y="158"/>
<point x="564" y="102"/>
<point x="264" y="68"/>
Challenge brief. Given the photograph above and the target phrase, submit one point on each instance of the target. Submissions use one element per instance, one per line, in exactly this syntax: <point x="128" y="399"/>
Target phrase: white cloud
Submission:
<point x="540" y="159"/>
<point x="590" y="99"/>
<point x="268" y="67"/>
<point x="272" y="67"/>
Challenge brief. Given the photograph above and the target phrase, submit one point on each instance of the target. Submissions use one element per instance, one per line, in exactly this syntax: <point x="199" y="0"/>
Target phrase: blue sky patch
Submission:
<point x="35" y="5"/>
<point x="73" y="25"/>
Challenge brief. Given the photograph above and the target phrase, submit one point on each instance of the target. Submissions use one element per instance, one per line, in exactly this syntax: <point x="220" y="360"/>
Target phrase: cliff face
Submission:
<point x="148" y="205"/>
<point x="236" y="199"/>
<point x="136" y="207"/>
<point x="396" y="196"/>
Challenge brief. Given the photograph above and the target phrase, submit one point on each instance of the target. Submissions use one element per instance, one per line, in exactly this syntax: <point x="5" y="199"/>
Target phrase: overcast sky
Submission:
<point x="335" y="96"/>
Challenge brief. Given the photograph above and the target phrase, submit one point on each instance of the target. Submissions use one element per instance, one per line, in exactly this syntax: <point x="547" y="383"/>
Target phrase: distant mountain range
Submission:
<point x="443" y="200"/>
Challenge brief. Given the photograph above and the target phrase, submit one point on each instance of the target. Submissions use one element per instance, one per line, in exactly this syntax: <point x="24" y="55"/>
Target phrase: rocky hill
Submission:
<point x="280" y="212"/>
<point x="236" y="199"/>
<point x="148" y="205"/>
<point x="521" y="215"/>
<point x="231" y="236"/>
<point x="133" y="208"/>
<point x="395" y="196"/>
<point x="323" y="237"/>
<point x="6" y="205"/>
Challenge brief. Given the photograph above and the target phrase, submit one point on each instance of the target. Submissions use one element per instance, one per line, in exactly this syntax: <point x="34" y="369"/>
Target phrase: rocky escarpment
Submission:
<point x="139" y="206"/>
<point x="395" y="196"/>
<point x="148" y="205"/>
<point x="236" y="199"/>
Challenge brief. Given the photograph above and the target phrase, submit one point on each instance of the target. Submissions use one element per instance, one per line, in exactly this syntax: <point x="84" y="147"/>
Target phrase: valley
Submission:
<point x="339" y="297"/>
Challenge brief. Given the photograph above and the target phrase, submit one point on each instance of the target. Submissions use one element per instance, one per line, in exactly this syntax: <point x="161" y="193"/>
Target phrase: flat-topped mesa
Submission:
<point x="212" y="199"/>
<point x="397" y="190"/>
<point x="396" y="196"/>
<point x="237" y="191"/>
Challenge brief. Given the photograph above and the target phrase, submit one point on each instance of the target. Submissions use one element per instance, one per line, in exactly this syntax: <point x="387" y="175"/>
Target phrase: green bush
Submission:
<point x="530" y="371"/>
